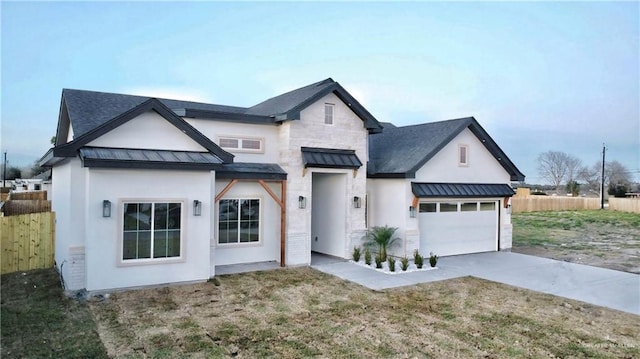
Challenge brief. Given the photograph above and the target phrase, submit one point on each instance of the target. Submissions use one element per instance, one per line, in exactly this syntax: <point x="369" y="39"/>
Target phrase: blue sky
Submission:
<point x="538" y="76"/>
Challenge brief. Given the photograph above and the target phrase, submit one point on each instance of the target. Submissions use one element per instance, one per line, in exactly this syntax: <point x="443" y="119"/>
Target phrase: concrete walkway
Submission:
<point x="599" y="286"/>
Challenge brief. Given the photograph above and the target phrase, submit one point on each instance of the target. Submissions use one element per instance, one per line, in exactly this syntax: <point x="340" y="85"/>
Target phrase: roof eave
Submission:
<point x="133" y="164"/>
<point x="235" y="117"/>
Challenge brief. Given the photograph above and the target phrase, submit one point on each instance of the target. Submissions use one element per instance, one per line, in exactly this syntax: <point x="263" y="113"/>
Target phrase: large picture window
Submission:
<point x="151" y="230"/>
<point x="238" y="221"/>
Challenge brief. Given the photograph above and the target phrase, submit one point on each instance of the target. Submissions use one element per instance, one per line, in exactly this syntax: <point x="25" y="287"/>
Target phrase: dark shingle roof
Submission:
<point x="403" y="150"/>
<point x="461" y="190"/>
<point x="89" y="109"/>
<point x="330" y="158"/>
<point x="398" y="152"/>
<point x="287" y="101"/>
<point x="143" y="158"/>
<point x="70" y="149"/>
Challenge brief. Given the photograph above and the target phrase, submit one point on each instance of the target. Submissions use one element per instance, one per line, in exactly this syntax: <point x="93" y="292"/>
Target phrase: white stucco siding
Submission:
<point x="389" y="201"/>
<point x="267" y="133"/>
<point x="70" y="134"/>
<point x="103" y="237"/>
<point x="149" y="130"/>
<point x="482" y="167"/>
<point x="268" y="247"/>
<point x="346" y="132"/>
<point x="67" y="200"/>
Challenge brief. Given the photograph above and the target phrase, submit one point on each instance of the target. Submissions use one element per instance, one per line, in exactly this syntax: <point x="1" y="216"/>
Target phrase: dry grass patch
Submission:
<point x="293" y="313"/>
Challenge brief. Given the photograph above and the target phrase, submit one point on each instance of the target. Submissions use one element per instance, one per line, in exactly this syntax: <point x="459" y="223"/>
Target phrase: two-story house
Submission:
<point x="150" y="191"/>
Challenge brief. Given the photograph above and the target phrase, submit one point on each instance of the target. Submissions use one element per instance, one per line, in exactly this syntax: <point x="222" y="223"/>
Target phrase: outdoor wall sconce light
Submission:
<point x="412" y="211"/>
<point x="106" y="208"/>
<point x="302" y="202"/>
<point x="356" y="202"/>
<point x="197" y="208"/>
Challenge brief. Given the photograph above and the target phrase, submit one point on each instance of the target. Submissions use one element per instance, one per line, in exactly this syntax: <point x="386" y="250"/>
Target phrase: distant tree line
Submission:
<point x="14" y="172"/>
<point x="559" y="168"/>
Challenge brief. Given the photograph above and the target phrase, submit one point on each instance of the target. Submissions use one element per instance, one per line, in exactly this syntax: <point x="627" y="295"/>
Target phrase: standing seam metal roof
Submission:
<point x="461" y="190"/>
<point x="330" y="158"/>
<point x="132" y="157"/>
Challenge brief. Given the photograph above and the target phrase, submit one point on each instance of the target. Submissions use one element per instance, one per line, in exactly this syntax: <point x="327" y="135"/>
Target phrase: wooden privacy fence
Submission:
<point x="552" y="203"/>
<point x="625" y="204"/>
<point x="30" y="195"/>
<point x="18" y="207"/>
<point x="27" y="241"/>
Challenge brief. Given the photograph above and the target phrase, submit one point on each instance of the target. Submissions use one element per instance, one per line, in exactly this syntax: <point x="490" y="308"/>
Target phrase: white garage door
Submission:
<point x="450" y="228"/>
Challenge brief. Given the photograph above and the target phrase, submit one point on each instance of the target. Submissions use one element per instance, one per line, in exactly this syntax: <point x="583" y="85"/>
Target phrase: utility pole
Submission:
<point x="604" y="149"/>
<point x="4" y="171"/>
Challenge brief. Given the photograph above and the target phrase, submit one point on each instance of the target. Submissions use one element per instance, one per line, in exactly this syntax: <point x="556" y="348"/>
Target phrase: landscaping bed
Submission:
<point x="300" y="312"/>
<point x="602" y="238"/>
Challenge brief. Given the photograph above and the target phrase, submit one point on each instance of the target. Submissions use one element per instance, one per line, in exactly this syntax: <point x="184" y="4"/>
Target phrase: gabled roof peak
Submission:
<point x="398" y="152"/>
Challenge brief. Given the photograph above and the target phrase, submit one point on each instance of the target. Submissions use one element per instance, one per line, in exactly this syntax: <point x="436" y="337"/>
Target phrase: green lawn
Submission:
<point x="38" y="321"/>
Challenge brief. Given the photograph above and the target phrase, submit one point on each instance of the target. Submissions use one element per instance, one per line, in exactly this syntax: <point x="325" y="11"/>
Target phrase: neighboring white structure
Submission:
<point x="26" y="184"/>
<point x="151" y="191"/>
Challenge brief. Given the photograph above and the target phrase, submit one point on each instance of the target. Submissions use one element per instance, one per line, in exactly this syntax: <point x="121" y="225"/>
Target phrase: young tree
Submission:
<point x="573" y="187"/>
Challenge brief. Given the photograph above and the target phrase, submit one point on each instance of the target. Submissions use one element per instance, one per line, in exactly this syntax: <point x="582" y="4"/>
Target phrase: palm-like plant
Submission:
<point x="381" y="237"/>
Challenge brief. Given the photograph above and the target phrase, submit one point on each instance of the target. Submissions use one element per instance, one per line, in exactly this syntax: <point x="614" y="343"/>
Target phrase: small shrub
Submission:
<point x="392" y="263"/>
<point x="381" y="238"/>
<point x="417" y="259"/>
<point x="367" y="256"/>
<point x="379" y="261"/>
<point x="404" y="263"/>
<point x="356" y="254"/>
<point x="433" y="259"/>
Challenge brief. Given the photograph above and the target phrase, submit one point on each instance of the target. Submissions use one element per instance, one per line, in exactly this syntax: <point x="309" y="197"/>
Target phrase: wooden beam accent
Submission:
<point x="415" y="203"/>
<point x="226" y="189"/>
<point x="283" y="221"/>
<point x="273" y="195"/>
<point x="304" y="171"/>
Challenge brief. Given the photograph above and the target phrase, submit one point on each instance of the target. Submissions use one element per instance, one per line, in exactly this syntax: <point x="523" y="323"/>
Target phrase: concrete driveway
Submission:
<point x="599" y="286"/>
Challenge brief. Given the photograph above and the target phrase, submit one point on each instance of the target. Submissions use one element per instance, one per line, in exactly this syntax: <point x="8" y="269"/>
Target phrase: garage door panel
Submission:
<point x="451" y="233"/>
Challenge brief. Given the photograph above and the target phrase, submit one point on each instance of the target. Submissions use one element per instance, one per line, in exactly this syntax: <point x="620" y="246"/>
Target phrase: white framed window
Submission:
<point x="152" y="230"/>
<point x="427" y="207"/>
<point x="449" y="207"/>
<point x="463" y="155"/>
<point x="469" y="206"/>
<point x="328" y="113"/>
<point x="239" y="221"/>
<point x="242" y="144"/>
<point x="487" y="206"/>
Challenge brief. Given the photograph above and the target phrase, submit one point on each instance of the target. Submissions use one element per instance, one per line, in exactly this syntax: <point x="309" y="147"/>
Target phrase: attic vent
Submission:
<point x="241" y="144"/>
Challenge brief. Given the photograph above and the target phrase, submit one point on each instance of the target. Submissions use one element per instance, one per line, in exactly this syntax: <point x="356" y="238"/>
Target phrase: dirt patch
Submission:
<point x="605" y="239"/>
<point x="299" y="312"/>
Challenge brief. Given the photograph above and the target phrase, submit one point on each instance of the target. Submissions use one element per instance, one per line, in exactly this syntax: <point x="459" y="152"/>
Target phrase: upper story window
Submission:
<point x="328" y="113"/>
<point x="463" y="155"/>
<point x="151" y="230"/>
<point x="242" y="144"/>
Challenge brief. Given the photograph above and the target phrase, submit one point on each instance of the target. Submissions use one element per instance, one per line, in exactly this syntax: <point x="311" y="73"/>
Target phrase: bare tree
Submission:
<point x="573" y="167"/>
<point x="616" y="173"/>
<point x="552" y="166"/>
<point x="590" y="176"/>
